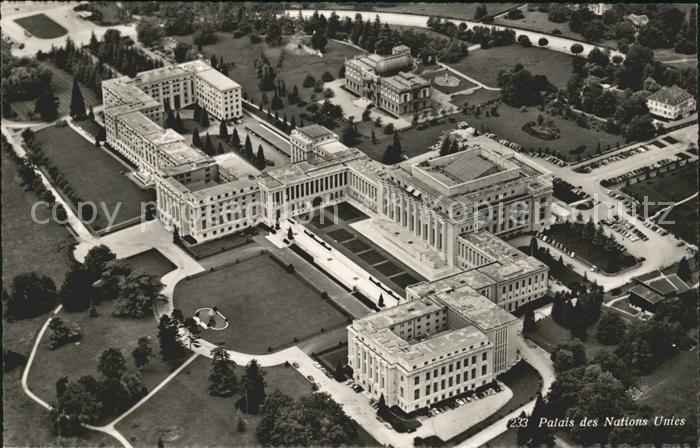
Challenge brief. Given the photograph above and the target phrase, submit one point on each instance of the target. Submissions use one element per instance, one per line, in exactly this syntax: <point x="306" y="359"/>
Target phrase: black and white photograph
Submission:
<point x="349" y="224"/>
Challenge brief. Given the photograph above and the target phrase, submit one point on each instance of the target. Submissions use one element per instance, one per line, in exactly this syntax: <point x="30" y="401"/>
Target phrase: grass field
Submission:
<point x="296" y="65"/>
<point x="539" y="21"/>
<point x="100" y="333"/>
<point x="676" y="60"/>
<point x="334" y="357"/>
<point x="62" y="83"/>
<point x="41" y="26"/>
<point x="509" y="124"/>
<point x="683" y="221"/>
<point x="584" y="248"/>
<point x="669" y="388"/>
<point x="548" y="334"/>
<point x="265" y="306"/>
<point x="27" y="245"/>
<point x="94" y="175"/>
<point x="483" y="65"/>
<point x="194" y="418"/>
<point x="432" y="75"/>
<point x="673" y="186"/>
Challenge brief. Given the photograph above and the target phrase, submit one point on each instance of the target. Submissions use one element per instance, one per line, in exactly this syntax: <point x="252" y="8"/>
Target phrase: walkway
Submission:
<point x="478" y="83"/>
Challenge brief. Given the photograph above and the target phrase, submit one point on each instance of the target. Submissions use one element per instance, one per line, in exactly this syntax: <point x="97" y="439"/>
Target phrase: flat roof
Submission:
<point x="476" y="308"/>
<point x="471" y="278"/>
<point x="314" y="131"/>
<point x="217" y="79"/>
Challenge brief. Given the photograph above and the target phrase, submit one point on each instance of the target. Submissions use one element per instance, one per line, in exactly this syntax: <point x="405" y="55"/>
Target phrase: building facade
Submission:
<point x="389" y="83"/>
<point x="671" y="103"/>
<point x="439" y="344"/>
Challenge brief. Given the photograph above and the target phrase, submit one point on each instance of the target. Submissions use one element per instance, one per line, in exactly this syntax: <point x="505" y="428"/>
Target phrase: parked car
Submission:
<point x="295" y="364"/>
<point x="310" y="378"/>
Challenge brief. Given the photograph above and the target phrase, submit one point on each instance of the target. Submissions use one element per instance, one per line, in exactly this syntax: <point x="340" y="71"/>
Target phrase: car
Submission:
<point x="317" y="365"/>
<point x="348" y="382"/>
<point x="388" y="425"/>
<point x="379" y="418"/>
<point x="295" y="364"/>
<point x="310" y="378"/>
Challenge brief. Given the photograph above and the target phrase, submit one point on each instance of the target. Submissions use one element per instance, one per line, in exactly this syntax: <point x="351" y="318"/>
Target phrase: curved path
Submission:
<point x="556" y="43"/>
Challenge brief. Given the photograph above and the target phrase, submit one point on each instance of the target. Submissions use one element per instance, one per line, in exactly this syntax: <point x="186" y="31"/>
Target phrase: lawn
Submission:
<point x="95" y="176"/>
<point x="539" y="21"/>
<point x="27" y="245"/>
<point x="673" y="186"/>
<point x="675" y="60"/>
<point x="99" y="333"/>
<point x="296" y="65"/>
<point x="265" y="305"/>
<point x="683" y="220"/>
<point x="484" y="65"/>
<point x="194" y="418"/>
<point x="334" y="357"/>
<point x="435" y="75"/>
<point x="414" y="141"/>
<point x="151" y="262"/>
<point x="548" y="334"/>
<point x="671" y="390"/>
<point x="62" y="84"/>
<point x="585" y="249"/>
<point x="41" y="26"/>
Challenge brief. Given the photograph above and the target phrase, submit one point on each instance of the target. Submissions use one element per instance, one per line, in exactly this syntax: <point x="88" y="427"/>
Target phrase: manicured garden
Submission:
<point x="573" y="141"/>
<point x="28" y="245"/>
<point x="266" y="306"/>
<point x="673" y="186"/>
<point x="94" y="175"/>
<point x="184" y="414"/>
<point x="592" y="246"/>
<point x="484" y="65"/>
<point x="446" y="81"/>
<point x="41" y="26"/>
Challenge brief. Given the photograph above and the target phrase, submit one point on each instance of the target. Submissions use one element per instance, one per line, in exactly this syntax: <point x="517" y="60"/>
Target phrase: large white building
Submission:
<point x="671" y="103"/>
<point x="455" y="332"/>
<point x="449" y="338"/>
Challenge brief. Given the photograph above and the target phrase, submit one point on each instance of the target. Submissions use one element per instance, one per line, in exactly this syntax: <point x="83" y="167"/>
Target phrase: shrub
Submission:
<point x="556" y="32"/>
<point x="326" y="77"/>
<point x="577" y="48"/>
<point x="543" y="42"/>
<point x="388" y="129"/>
<point x="309" y="81"/>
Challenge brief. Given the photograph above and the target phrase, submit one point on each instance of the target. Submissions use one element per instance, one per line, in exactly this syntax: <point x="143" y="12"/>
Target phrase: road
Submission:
<point x="556" y="43"/>
<point x="659" y="251"/>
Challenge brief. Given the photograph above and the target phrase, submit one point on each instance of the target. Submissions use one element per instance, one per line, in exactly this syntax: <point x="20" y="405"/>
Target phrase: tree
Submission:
<point x="539" y="435"/>
<point x="543" y="42"/>
<point x="569" y="356"/>
<point x="137" y="294"/>
<point x="273" y="37"/>
<point x="77" y="103"/>
<point x="260" y="162"/>
<point x="204" y="120"/>
<point x="529" y="324"/>
<point x="684" y="269"/>
<point x="192" y="331"/>
<point x="148" y="32"/>
<point x="96" y="260"/>
<point x="480" y="12"/>
<point x="112" y="363"/>
<point x="62" y="332"/>
<point x="142" y="352"/>
<point x="253" y="383"/>
<point x="611" y="328"/>
<point x="208" y="146"/>
<point x="223" y="130"/>
<point x="47" y="106"/>
<point x="319" y="40"/>
<point x="639" y="129"/>
<point x="30" y="295"/>
<point x="222" y="379"/>
<point x="75" y="405"/>
<point x="380" y="303"/>
<point x="181" y="51"/>
<point x="235" y="139"/>
<point x="195" y="138"/>
<point x="577" y="48"/>
<point x="523" y="433"/>
<point x="248" y="147"/>
<point x="171" y="348"/>
<point x="76" y="291"/>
